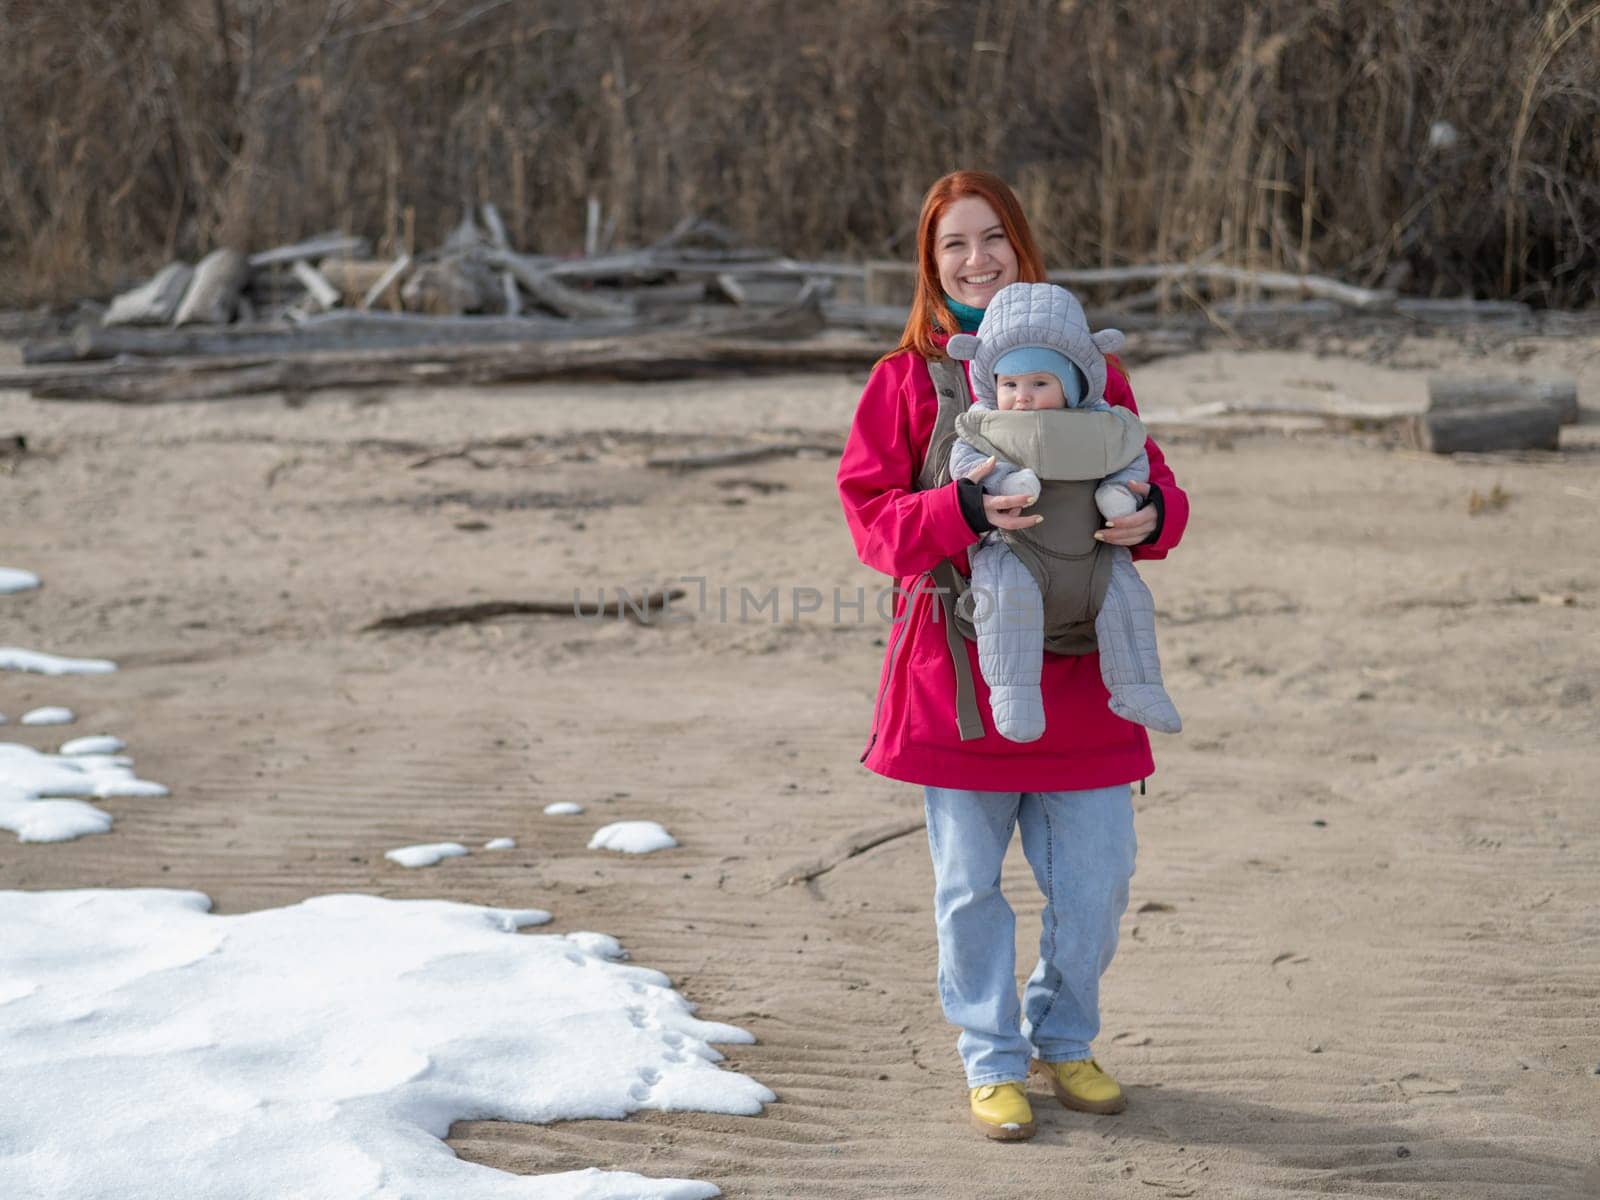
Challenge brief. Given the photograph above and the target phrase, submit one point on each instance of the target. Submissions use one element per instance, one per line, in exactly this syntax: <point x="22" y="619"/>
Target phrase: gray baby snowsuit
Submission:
<point x="1009" y="607"/>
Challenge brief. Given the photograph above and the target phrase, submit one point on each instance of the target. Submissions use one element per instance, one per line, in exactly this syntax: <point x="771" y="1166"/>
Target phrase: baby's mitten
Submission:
<point x="1115" y="500"/>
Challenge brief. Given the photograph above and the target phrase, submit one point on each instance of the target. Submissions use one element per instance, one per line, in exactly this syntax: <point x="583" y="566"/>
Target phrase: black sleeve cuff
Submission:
<point x="1161" y="513"/>
<point x="970" y="493"/>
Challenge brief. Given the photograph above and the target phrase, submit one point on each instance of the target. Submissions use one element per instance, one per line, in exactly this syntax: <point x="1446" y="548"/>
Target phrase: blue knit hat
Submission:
<point x="1025" y="360"/>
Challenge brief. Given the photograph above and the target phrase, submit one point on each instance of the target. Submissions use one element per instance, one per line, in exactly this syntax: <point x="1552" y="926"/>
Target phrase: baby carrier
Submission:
<point x="1071" y="451"/>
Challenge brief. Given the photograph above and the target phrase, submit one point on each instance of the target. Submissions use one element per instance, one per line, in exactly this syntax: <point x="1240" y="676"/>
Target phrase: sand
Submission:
<point x="1362" y="955"/>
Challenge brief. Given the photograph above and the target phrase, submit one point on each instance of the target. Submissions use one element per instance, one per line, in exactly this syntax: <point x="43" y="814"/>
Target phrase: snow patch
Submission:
<point x="38" y="792"/>
<point x="323" y="1050"/>
<point x="563" y="808"/>
<point x="49" y="715"/>
<point x="100" y="743"/>
<point x="632" y="837"/>
<point x="14" y="658"/>
<point x="14" y="580"/>
<point x="501" y="844"/>
<point x="425" y="855"/>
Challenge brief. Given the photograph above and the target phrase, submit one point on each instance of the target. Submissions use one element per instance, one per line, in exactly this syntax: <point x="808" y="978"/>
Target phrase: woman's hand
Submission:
<point x="1133" y="528"/>
<point x="1004" y="512"/>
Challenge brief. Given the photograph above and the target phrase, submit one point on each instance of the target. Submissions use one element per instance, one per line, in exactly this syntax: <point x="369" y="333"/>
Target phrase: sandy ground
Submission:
<point x="1363" y="953"/>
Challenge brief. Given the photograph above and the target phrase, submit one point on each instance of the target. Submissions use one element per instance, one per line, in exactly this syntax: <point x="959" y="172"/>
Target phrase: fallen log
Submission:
<point x="1465" y="312"/>
<point x="628" y="359"/>
<point x="643" y="609"/>
<point x="155" y="301"/>
<point x="1524" y="426"/>
<point x="1448" y="394"/>
<point x="351" y="331"/>
<point x="213" y="292"/>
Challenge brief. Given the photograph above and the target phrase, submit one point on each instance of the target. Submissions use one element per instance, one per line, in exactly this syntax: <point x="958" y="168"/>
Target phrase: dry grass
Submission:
<point x="1289" y="133"/>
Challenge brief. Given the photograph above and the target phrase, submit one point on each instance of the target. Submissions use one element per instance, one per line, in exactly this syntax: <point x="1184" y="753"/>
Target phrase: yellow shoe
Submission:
<point x="1002" y="1111"/>
<point x="1082" y="1085"/>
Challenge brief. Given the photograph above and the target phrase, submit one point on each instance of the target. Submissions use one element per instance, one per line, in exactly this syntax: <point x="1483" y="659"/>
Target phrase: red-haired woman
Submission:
<point x="1069" y="791"/>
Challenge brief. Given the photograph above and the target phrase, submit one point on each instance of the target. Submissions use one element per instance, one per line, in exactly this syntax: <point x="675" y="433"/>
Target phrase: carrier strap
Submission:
<point x="968" y="719"/>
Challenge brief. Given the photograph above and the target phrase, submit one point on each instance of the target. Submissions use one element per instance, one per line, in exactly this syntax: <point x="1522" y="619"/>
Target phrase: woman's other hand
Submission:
<point x="1004" y="512"/>
<point x="1133" y="528"/>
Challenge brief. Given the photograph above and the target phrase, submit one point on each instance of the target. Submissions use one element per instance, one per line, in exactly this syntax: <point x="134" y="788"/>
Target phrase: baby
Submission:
<point x="1034" y="353"/>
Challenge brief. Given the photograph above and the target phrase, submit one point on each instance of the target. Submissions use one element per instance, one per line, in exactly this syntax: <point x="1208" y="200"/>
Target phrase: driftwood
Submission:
<point x="1446" y="394"/>
<point x="551" y="292"/>
<point x="326" y="245"/>
<point x="747" y="454"/>
<point x="644" y="358"/>
<point x="1465" y="312"/>
<point x="155" y="301"/>
<point x="386" y="281"/>
<point x="1269" y="281"/>
<point x="214" y="291"/>
<point x="322" y="293"/>
<point x="642" y="610"/>
<point x="354" y="277"/>
<point x="1524" y="426"/>
<point x="451" y="287"/>
<point x="350" y="331"/>
<point x="500" y="241"/>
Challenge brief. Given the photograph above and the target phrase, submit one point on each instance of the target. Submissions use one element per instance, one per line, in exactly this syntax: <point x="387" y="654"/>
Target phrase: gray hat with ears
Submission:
<point x="1035" y="314"/>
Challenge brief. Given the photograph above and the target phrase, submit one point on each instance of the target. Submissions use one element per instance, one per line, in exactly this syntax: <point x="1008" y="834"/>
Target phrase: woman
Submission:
<point x="1070" y="790"/>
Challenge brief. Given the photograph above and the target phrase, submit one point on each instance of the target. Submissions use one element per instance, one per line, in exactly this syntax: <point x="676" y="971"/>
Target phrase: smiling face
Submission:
<point x="1023" y="393"/>
<point x="974" y="256"/>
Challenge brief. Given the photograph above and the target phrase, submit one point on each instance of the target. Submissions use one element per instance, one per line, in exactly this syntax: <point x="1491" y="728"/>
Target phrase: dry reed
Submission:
<point x="1446" y="144"/>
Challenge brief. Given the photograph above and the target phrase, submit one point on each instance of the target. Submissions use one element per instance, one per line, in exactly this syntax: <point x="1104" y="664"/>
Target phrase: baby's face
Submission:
<point x="1037" y="389"/>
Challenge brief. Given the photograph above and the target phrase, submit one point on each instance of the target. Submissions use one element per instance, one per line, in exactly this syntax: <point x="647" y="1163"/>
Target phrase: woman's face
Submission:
<point x="974" y="255"/>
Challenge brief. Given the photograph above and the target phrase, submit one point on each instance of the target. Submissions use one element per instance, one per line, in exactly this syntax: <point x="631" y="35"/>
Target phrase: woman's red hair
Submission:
<point x="928" y="307"/>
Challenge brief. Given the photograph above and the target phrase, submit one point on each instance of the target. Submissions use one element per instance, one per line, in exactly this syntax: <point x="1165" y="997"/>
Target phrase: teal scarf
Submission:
<point x="966" y="316"/>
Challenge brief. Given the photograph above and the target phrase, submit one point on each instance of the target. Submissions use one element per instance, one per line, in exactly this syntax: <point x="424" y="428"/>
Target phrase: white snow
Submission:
<point x="13" y="658"/>
<point x="49" y="715"/>
<point x="323" y="1050"/>
<point x="36" y="791"/>
<point x="100" y="743"/>
<point x="563" y="808"/>
<point x="501" y="844"/>
<point x="425" y="855"/>
<point x="14" y="580"/>
<point x="632" y="837"/>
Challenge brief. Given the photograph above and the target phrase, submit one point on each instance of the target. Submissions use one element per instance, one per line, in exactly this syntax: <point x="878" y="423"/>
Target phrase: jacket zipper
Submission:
<point x="894" y="655"/>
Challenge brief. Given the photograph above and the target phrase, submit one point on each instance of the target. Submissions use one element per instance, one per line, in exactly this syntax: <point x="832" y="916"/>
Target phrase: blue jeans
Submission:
<point x="1081" y="848"/>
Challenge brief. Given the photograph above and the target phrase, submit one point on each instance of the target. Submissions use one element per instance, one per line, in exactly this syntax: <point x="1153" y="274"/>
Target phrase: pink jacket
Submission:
<point x="904" y="533"/>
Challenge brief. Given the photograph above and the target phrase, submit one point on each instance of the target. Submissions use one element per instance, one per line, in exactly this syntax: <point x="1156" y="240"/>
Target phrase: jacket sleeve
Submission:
<point x="1175" y="501"/>
<point x="896" y="530"/>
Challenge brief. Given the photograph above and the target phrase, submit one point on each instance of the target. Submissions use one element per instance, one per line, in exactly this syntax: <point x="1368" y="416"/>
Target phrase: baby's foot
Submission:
<point x="1018" y="712"/>
<point x="1115" y="500"/>
<point x="1146" y="704"/>
<point x="1022" y="483"/>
